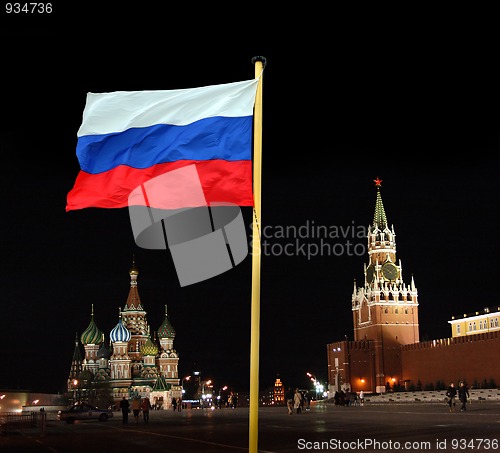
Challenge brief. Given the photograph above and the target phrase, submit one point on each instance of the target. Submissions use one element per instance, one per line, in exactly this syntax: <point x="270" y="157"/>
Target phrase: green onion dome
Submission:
<point x="166" y="330"/>
<point x="92" y="334"/>
<point x="149" y="348"/>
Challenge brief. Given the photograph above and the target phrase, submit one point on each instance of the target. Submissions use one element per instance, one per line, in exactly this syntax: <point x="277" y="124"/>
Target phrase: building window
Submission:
<point x="470" y="327"/>
<point x="458" y="329"/>
<point x="496" y="322"/>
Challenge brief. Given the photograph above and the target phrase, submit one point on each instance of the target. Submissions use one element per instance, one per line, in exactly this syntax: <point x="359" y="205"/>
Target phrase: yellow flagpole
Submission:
<point x="259" y="63"/>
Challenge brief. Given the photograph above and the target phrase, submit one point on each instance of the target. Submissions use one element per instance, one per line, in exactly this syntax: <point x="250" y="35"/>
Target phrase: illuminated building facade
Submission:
<point x="136" y="364"/>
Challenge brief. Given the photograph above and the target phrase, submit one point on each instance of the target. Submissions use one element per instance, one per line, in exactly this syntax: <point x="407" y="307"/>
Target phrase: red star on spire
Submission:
<point x="378" y="182"/>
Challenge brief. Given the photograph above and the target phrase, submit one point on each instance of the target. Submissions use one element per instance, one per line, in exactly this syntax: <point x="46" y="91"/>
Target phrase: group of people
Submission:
<point x="296" y="400"/>
<point x="177" y="404"/>
<point x="463" y="395"/>
<point x="138" y="405"/>
<point x="348" y="398"/>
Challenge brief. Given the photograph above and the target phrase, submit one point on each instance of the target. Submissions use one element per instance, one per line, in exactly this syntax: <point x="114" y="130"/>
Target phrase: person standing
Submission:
<point x="289" y="400"/>
<point x="463" y="395"/>
<point x="145" y="406"/>
<point x="136" y="409"/>
<point x="361" y="398"/>
<point x="179" y="404"/>
<point x="307" y="400"/>
<point x="124" y="406"/>
<point x="451" y="393"/>
<point x="297" y="401"/>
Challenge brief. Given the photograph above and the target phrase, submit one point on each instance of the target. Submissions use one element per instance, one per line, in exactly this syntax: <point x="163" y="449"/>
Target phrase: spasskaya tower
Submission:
<point x="385" y="309"/>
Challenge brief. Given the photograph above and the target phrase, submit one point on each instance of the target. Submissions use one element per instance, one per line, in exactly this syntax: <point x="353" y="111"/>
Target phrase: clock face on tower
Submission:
<point x="390" y="271"/>
<point x="370" y="273"/>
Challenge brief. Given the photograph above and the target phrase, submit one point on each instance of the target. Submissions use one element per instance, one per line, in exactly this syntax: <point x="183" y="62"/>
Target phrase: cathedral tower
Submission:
<point x="168" y="360"/>
<point x="134" y="319"/>
<point x="120" y="362"/>
<point x="385" y="309"/>
<point x="91" y="339"/>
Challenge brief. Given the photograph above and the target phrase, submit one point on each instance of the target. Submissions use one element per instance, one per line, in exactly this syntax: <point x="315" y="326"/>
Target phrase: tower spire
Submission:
<point x="379" y="218"/>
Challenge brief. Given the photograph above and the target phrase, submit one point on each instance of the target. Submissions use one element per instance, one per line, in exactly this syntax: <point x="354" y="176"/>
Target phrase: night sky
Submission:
<point x="340" y="109"/>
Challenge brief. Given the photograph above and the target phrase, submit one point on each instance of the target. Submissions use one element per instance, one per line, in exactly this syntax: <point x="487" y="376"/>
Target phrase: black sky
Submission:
<point x="342" y="105"/>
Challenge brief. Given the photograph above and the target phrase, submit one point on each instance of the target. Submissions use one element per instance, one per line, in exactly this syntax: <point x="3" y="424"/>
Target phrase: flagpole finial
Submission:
<point x="259" y="58"/>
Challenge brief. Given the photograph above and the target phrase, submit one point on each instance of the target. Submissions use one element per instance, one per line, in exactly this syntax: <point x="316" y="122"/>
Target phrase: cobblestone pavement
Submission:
<point x="378" y="427"/>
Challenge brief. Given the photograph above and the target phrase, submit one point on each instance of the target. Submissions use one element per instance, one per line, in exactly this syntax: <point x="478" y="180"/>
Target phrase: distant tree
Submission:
<point x="440" y="385"/>
<point x="397" y="388"/>
<point x="103" y="395"/>
<point x="419" y="385"/>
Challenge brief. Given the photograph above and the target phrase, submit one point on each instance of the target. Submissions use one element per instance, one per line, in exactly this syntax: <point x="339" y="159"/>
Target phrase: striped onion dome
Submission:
<point x="92" y="334"/>
<point x="166" y="330"/>
<point x="149" y="348"/>
<point x="120" y="332"/>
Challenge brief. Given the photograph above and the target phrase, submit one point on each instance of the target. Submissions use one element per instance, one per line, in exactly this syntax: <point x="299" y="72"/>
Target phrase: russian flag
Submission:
<point x="129" y="137"/>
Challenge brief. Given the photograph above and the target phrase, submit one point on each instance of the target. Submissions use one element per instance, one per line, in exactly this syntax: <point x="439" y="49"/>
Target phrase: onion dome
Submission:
<point x="149" y="348"/>
<point x="104" y="352"/>
<point x="166" y="330"/>
<point x="120" y="332"/>
<point x="92" y="334"/>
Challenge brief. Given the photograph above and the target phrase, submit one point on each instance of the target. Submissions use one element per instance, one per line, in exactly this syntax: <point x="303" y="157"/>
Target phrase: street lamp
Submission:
<point x="206" y="397"/>
<point x="219" y="402"/>
<point x="317" y="385"/>
<point x="182" y="384"/>
<point x="75" y="384"/>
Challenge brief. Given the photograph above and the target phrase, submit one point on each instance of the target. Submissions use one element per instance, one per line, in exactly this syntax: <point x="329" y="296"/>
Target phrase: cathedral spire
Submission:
<point x="76" y="363"/>
<point x="133" y="299"/>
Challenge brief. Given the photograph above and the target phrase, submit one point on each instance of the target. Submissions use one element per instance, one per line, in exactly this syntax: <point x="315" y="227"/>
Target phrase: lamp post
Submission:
<point x="317" y="385"/>
<point x="75" y="384"/>
<point x="219" y="402"/>
<point x="206" y="398"/>
<point x="182" y="384"/>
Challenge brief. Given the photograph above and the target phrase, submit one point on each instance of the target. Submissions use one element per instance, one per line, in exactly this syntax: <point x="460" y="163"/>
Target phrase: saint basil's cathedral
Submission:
<point x="136" y="364"/>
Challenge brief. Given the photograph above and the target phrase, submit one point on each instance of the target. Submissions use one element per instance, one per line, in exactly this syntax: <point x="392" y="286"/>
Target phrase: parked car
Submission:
<point x="84" y="411"/>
